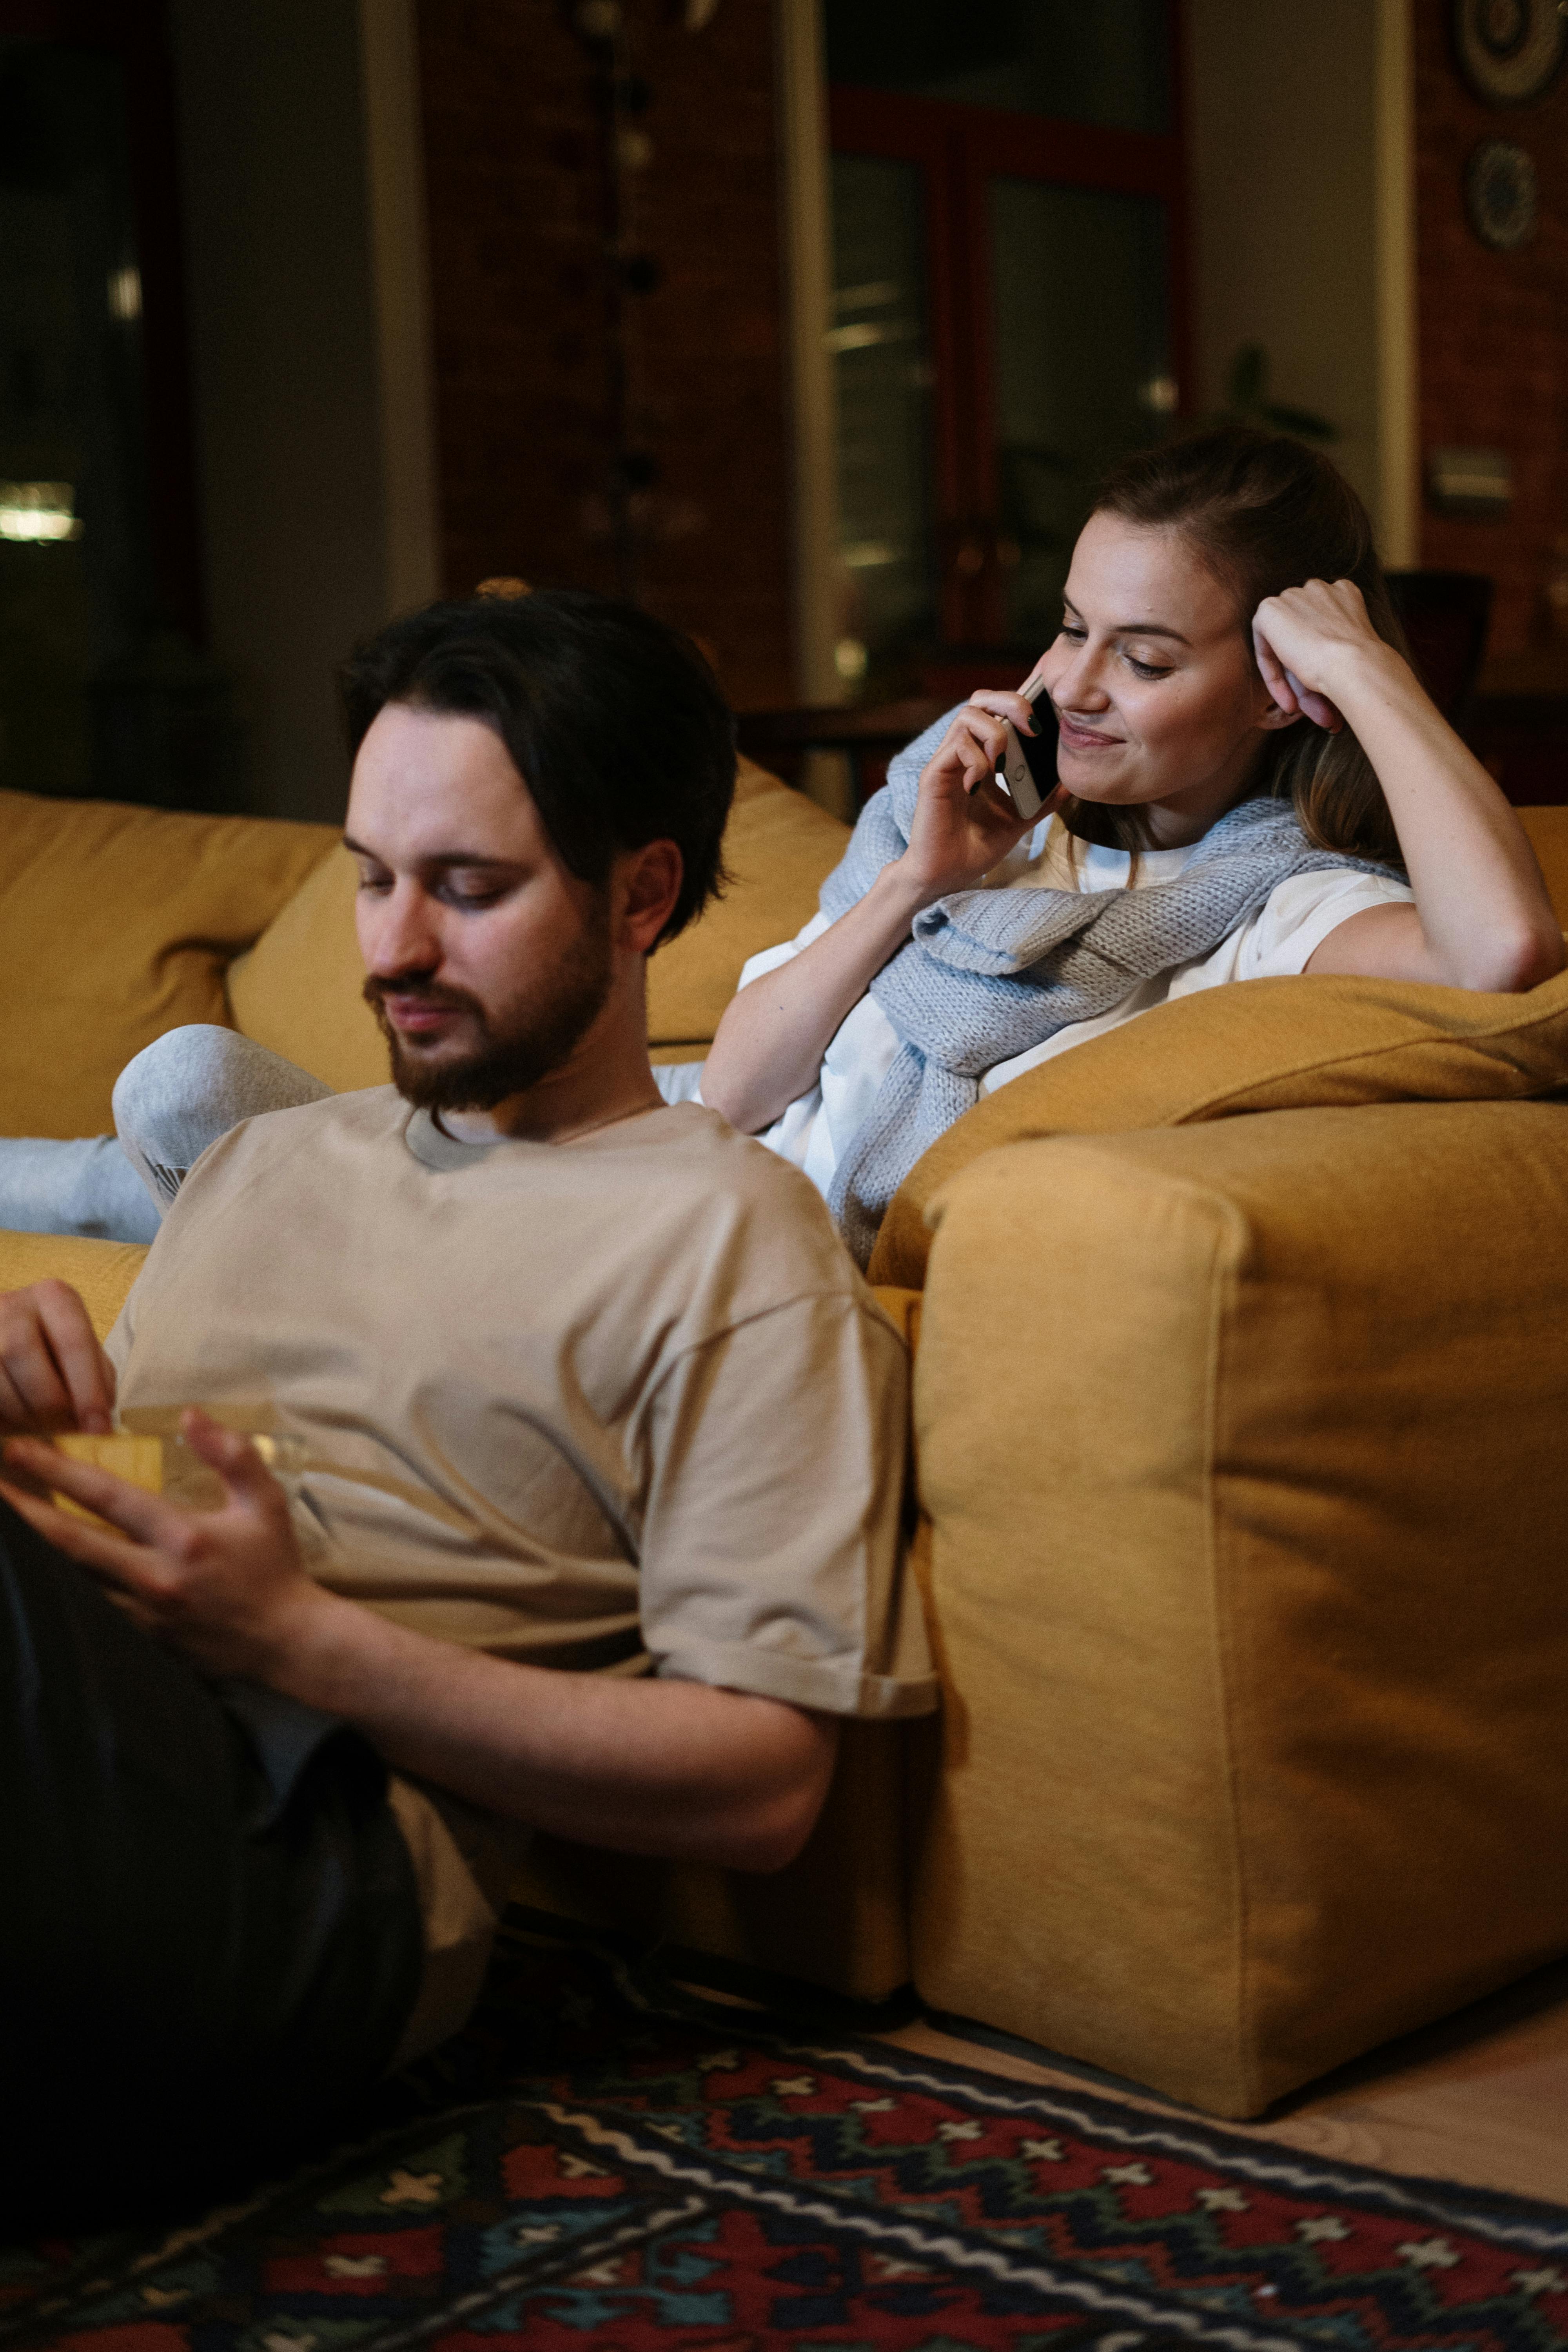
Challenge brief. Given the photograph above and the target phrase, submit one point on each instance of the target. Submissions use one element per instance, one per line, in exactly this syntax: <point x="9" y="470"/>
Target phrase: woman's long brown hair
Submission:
<point x="1263" y="513"/>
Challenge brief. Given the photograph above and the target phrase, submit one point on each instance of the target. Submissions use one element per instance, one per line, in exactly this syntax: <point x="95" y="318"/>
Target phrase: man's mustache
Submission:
<point x="451" y="1000"/>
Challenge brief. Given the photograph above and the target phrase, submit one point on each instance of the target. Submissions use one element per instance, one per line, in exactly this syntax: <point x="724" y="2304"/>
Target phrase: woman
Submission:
<point x="1246" y="760"/>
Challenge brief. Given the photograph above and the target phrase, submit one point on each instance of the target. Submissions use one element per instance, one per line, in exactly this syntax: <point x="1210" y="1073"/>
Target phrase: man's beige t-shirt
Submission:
<point x="609" y="1405"/>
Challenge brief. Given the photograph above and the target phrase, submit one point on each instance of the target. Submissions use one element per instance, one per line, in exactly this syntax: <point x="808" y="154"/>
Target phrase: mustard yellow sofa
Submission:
<point x="1240" y="1394"/>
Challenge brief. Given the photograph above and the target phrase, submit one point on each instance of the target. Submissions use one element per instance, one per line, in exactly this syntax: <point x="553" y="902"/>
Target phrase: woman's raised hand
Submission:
<point x="1483" y="918"/>
<point x="962" y="825"/>
<point x="1305" y="639"/>
<point x="770" y="1045"/>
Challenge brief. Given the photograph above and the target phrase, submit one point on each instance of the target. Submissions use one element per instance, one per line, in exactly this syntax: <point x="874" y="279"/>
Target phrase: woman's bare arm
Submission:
<point x="770" y="1043"/>
<point x="1482" y="919"/>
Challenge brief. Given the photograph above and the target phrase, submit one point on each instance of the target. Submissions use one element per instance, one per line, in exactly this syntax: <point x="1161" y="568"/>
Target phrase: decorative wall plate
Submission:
<point x="1510" y="51"/>
<point x="1500" y="195"/>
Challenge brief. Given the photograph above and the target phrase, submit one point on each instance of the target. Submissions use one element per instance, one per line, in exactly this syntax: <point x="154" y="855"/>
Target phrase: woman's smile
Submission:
<point x="1074" y="736"/>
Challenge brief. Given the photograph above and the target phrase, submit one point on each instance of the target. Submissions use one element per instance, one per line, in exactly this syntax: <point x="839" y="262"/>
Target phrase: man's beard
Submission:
<point x="508" y="1061"/>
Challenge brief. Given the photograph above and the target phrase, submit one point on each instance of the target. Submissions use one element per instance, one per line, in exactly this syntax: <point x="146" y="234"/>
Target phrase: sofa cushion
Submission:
<point x="117" y="924"/>
<point x="101" y="1272"/>
<point x="299" y="988"/>
<point x="1263" y="1044"/>
<point x="1240" y="1445"/>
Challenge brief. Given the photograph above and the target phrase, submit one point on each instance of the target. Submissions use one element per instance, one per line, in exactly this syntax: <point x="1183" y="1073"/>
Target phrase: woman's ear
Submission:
<point x="648" y="885"/>
<point x="1316" y="708"/>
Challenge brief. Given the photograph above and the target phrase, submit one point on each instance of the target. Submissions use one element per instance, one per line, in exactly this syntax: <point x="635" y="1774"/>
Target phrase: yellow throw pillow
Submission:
<point x="1261" y="1044"/>
<point x="118" y="923"/>
<point x="300" y="990"/>
<point x="779" y="847"/>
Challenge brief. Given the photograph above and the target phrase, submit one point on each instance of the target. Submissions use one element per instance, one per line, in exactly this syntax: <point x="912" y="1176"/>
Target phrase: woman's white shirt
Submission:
<point x="1274" y="943"/>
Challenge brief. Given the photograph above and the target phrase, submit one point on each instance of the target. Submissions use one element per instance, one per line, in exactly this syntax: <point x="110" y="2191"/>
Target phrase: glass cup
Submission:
<point x="162" y="1462"/>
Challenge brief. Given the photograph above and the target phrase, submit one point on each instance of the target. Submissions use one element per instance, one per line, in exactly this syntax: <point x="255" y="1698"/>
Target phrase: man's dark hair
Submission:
<point x="614" y="720"/>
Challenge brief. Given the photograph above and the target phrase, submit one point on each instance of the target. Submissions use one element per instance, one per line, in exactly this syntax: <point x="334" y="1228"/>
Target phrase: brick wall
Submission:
<point x="1493" y="331"/>
<point x="516" y="247"/>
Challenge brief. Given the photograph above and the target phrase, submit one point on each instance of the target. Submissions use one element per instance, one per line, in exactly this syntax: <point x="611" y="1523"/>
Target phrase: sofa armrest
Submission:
<point x="1242" y="1451"/>
<point x="1305" y="1044"/>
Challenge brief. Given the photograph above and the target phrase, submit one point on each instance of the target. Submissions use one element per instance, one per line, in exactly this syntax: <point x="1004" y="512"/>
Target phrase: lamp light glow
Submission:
<point x="39" y="511"/>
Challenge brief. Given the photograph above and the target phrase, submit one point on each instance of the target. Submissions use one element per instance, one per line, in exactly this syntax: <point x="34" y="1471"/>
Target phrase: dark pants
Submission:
<point x="209" y="1933"/>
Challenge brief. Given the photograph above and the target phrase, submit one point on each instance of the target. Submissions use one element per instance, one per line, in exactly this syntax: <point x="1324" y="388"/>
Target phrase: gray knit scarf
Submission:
<point x="989" y="973"/>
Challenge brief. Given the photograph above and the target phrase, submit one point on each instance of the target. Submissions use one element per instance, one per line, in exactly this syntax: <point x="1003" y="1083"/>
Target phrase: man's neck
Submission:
<point x="605" y="1078"/>
<point x="525" y="1119"/>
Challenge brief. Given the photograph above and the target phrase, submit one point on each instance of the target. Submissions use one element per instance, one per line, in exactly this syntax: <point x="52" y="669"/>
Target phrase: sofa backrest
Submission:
<point x="118" y="923"/>
<point x="298" y="989"/>
<point x="122" y="922"/>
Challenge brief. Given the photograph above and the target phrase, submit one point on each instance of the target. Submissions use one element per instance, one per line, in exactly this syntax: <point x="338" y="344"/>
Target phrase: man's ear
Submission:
<point x="650" y="881"/>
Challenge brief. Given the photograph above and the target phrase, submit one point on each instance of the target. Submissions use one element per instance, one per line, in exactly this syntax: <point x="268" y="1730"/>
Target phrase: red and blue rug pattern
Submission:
<point x="583" y="2169"/>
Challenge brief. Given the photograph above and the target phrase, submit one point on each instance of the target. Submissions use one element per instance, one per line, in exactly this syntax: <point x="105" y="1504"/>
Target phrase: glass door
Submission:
<point x="880" y="342"/>
<point x="1080" y="324"/>
<point x="1025" y="156"/>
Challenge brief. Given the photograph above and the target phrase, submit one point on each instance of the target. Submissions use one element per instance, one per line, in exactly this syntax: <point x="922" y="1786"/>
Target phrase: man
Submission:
<point x="581" y="1381"/>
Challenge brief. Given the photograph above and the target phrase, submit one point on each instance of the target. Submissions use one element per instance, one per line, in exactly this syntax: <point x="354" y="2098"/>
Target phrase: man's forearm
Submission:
<point x="642" y="1766"/>
<point x="646" y="1767"/>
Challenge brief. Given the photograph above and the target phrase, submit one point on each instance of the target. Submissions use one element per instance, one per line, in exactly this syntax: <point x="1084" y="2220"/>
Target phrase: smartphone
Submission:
<point x="1026" y="771"/>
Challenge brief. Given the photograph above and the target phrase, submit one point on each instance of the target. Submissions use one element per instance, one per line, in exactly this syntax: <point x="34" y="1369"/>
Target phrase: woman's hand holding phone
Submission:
<point x="770" y="1043"/>
<point x="964" y="824"/>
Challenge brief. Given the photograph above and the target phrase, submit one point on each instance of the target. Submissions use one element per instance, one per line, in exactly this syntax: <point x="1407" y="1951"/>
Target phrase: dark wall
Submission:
<point x="516" y="209"/>
<point x="1493" y="331"/>
<point x="284" y="365"/>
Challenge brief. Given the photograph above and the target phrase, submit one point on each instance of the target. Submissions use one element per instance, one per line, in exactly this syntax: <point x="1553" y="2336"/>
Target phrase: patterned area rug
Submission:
<point x="589" y="2166"/>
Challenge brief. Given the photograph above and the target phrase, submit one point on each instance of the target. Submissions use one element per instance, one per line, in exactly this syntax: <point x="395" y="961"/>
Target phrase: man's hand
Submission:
<point x="53" y="1373"/>
<point x="647" y="1765"/>
<point x="227" y="1587"/>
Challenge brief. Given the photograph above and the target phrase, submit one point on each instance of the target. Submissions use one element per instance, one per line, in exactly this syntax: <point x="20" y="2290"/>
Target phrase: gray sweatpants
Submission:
<point x="178" y="1095"/>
